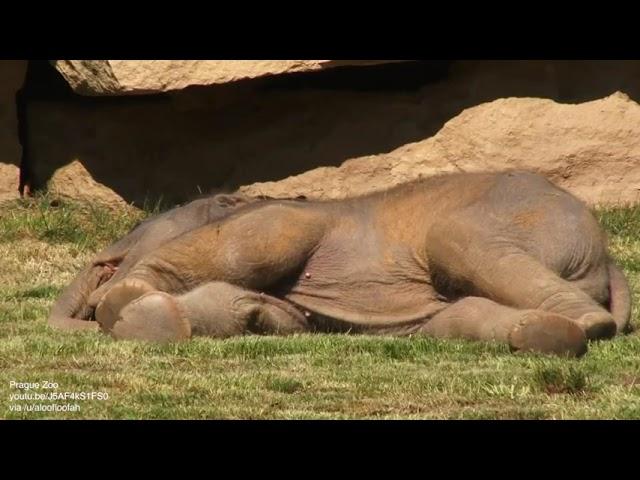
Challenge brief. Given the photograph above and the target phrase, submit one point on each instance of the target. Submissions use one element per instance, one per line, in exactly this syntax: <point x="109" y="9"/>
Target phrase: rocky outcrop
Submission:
<point x="9" y="180"/>
<point x="592" y="149"/>
<point x="74" y="182"/>
<point x="351" y="134"/>
<point x="118" y="77"/>
<point x="12" y="74"/>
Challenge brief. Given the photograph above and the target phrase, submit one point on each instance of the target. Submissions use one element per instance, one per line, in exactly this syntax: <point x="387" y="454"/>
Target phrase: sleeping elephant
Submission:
<point x="506" y="256"/>
<point x="75" y="306"/>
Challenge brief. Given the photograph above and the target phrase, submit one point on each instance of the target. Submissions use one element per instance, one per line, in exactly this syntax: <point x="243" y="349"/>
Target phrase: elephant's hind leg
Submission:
<point x="521" y="281"/>
<point x="216" y="309"/>
<point x="510" y="276"/>
<point x="476" y="318"/>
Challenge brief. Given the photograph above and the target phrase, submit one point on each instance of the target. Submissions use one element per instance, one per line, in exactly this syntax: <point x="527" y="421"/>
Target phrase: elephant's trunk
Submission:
<point x="71" y="311"/>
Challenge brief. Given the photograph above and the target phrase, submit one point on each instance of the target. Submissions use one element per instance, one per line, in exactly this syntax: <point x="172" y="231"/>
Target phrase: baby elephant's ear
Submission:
<point x="227" y="200"/>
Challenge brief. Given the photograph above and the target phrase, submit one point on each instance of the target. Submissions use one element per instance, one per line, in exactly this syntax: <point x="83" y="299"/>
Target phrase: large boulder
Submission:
<point x="348" y="136"/>
<point x="592" y="149"/>
<point x="12" y="73"/>
<point x="118" y="77"/>
<point x="9" y="180"/>
<point x="74" y="182"/>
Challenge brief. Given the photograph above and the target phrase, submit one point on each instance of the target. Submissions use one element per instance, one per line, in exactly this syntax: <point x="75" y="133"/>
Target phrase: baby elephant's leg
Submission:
<point x="255" y="250"/>
<point x="476" y="318"/>
<point x="216" y="309"/>
<point x="490" y="267"/>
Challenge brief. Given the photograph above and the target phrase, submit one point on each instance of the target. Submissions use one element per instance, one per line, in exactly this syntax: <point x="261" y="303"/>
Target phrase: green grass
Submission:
<point x="623" y="227"/>
<point x="86" y="226"/>
<point x="305" y="376"/>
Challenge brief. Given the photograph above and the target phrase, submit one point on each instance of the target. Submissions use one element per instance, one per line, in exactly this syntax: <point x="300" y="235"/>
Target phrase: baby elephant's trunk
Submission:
<point x="619" y="298"/>
<point x="71" y="311"/>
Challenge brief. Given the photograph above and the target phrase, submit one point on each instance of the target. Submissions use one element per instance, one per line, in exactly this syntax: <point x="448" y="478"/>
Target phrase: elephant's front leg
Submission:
<point x="216" y="309"/>
<point x="253" y="251"/>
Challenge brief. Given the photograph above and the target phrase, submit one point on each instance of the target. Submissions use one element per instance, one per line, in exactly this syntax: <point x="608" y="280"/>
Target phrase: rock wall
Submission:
<point x="337" y="138"/>
<point x="174" y="148"/>
<point x="12" y="74"/>
<point x="591" y="149"/>
<point x="117" y="77"/>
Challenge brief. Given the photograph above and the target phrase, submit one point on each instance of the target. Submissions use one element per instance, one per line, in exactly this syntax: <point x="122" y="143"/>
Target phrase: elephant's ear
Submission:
<point x="231" y="200"/>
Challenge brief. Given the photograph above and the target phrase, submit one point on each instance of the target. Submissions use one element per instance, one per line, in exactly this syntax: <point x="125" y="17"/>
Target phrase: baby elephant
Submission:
<point x="504" y="256"/>
<point x="77" y="302"/>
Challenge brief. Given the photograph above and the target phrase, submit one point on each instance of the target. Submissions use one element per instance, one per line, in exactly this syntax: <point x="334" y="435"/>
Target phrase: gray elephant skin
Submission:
<point x="73" y="308"/>
<point x="492" y="256"/>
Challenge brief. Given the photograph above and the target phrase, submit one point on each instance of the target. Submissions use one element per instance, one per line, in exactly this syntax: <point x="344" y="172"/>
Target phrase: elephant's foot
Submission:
<point x="548" y="333"/>
<point x="108" y="310"/>
<point x="155" y="317"/>
<point x="598" y="325"/>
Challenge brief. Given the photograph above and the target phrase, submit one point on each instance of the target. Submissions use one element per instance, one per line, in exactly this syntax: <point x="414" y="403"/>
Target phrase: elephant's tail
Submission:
<point x="619" y="298"/>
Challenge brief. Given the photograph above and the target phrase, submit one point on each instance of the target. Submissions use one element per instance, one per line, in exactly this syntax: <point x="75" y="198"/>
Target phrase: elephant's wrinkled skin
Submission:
<point x="75" y="305"/>
<point x="485" y="256"/>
